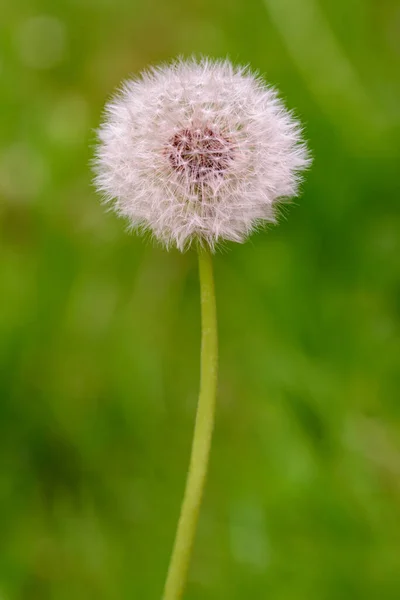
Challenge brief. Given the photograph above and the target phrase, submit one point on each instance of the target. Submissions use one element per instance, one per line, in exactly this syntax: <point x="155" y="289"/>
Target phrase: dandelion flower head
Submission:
<point x="198" y="150"/>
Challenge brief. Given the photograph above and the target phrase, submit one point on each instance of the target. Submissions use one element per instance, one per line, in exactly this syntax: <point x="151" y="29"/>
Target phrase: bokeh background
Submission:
<point x="99" y="330"/>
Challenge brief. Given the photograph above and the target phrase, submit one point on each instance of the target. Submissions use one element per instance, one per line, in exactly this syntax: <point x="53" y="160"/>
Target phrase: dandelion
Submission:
<point x="198" y="151"/>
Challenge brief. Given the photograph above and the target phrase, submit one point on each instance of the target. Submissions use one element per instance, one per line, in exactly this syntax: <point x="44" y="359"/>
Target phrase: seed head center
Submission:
<point x="199" y="153"/>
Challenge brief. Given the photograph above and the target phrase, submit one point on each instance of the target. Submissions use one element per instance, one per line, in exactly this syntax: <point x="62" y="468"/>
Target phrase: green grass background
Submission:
<point x="99" y="330"/>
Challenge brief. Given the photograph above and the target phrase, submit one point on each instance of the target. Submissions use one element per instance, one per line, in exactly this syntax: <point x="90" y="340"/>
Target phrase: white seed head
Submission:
<point x="198" y="150"/>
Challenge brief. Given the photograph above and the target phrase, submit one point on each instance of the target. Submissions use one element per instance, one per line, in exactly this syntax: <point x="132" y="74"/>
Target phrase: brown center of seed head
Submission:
<point x="199" y="153"/>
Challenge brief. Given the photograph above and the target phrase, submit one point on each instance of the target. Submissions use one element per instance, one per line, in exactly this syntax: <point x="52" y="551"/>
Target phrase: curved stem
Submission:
<point x="199" y="458"/>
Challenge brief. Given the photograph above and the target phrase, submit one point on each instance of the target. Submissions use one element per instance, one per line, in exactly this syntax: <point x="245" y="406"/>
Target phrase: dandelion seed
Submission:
<point x="198" y="150"/>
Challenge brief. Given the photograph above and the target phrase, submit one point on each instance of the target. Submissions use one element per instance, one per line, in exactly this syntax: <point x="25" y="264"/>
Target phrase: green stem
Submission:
<point x="197" y="473"/>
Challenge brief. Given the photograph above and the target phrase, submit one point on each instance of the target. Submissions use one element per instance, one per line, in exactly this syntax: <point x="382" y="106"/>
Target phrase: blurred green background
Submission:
<point x="100" y="329"/>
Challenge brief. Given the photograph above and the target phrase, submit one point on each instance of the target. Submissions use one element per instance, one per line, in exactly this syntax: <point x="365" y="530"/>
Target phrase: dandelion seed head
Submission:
<point x="198" y="150"/>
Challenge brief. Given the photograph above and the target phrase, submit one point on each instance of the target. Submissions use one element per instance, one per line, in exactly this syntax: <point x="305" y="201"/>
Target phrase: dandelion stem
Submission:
<point x="199" y="458"/>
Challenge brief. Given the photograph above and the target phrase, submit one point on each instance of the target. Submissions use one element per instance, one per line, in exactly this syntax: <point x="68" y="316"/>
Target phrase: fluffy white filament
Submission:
<point x="198" y="150"/>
